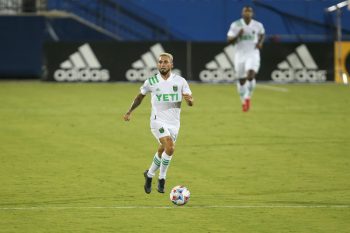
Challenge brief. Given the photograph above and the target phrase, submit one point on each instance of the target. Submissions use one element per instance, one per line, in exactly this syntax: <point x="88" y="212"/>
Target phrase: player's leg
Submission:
<point x="169" y="147"/>
<point x="242" y="87"/>
<point x="162" y="158"/>
<point x="156" y="161"/>
<point x="157" y="131"/>
<point x="251" y="82"/>
<point x="251" y="86"/>
<point x="252" y="67"/>
<point x="153" y="168"/>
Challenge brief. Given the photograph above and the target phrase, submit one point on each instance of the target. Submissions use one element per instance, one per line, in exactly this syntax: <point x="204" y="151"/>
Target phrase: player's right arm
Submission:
<point x="234" y="33"/>
<point x="144" y="89"/>
<point x="137" y="101"/>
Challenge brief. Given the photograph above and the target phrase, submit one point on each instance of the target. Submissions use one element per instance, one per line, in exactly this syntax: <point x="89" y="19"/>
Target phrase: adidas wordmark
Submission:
<point x="220" y="69"/>
<point x="299" y="66"/>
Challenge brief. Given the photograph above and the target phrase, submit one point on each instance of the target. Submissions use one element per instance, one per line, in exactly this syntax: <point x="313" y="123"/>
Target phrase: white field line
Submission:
<point x="187" y="207"/>
<point x="272" y="88"/>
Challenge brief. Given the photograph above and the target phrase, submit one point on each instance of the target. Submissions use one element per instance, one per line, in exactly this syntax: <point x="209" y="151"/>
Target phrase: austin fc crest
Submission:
<point x="174" y="88"/>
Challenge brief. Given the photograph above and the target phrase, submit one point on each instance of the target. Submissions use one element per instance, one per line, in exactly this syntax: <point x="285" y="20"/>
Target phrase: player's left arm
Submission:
<point x="187" y="93"/>
<point x="261" y="37"/>
<point x="188" y="98"/>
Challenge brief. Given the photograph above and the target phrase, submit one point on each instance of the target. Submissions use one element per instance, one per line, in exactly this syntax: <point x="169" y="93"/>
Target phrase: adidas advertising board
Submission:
<point x="214" y="64"/>
<point x="110" y="61"/>
<point x="294" y="62"/>
<point x="81" y="65"/>
<point x="198" y="61"/>
<point x="287" y="62"/>
<point x="146" y="65"/>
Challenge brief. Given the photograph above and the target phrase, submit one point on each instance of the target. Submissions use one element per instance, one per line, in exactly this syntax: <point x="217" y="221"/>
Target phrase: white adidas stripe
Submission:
<point x="77" y="60"/>
<point x="299" y="60"/>
<point x="212" y="65"/>
<point x="149" y="59"/>
<point x="223" y="60"/>
<point x="283" y="65"/>
<point x="294" y="61"/>
<point x="83" y="58"/>
<point x="157" y="49"/>
<point x="306" y="57"/>
<point x="138" y="64"/>
<point x="66" y="64"/>
<point x="230" y="50"/>
<point x="89" y="56"/>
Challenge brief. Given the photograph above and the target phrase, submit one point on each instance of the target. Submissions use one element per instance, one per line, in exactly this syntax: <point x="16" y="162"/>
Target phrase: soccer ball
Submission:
<point x="179" y="195"/>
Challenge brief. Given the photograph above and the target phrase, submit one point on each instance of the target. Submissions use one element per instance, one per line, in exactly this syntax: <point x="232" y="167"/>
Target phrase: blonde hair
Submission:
<point x="167" y="55"/>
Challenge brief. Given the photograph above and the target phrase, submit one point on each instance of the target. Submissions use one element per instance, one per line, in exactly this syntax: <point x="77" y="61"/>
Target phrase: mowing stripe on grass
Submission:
<point x="188" y="207"/>
<point x="272" y="88"/>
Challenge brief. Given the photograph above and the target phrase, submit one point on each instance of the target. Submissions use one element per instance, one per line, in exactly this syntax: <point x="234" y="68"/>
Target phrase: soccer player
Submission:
<point x="248" y="36"/>
<point x="167" y="92"/>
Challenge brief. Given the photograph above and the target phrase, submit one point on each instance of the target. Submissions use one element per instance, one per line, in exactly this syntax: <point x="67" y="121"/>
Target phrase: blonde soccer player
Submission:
<point x="167" y="92"/>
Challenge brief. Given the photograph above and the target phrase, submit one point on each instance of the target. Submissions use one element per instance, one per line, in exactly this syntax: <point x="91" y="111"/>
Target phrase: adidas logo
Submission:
<point x="299" y="66"/>
<point x="147" y="65"/>
<point x="81" y="66"/>
<point x="221" y="68"/>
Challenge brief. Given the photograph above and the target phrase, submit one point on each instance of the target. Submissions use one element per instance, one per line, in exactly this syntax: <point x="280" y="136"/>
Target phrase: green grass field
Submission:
<point x="69" y="163"/>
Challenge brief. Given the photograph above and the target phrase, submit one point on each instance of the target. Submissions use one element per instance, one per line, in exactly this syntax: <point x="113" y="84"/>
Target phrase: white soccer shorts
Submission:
<point x="243" y="65"/>
<point x="160" y="130"/>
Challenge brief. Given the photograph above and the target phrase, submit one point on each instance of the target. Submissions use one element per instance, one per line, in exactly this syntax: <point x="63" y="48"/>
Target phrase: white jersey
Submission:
<point x="166" y="97"/>
<point x="245" y="45"/>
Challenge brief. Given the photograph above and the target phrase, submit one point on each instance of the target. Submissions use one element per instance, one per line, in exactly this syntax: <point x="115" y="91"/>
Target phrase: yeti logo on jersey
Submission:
<point x="247" y="37"/>
<point x="175" y="88"/>
<point x="161" y="130"/>
<point x="168" y="97"/>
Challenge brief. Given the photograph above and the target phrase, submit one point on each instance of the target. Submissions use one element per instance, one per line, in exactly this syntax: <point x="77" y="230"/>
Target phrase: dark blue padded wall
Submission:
<point x="22" y="40"/>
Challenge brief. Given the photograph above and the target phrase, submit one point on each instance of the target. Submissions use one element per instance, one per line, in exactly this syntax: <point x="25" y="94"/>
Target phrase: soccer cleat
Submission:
<point x="161" y="183"/>
<point x="148" y="183"/>
<point x="247" y="104"/>
<point x="244" y="108"/>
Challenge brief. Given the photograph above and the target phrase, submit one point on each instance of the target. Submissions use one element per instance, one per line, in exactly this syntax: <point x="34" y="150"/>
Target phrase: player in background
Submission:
<point x="248" y="36"/>
<point x="167" y="92"/>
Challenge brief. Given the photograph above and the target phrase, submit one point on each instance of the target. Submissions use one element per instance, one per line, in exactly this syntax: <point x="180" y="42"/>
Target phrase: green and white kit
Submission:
<point x="166" y="98"/>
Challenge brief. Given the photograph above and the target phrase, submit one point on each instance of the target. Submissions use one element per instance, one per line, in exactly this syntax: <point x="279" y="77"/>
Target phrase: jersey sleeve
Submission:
<point x="233" y="30"/>
<point x="186" y="88"/>
<point x="145" y="88"/>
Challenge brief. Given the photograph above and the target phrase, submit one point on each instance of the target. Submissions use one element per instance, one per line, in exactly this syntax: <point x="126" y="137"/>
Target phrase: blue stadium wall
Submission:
<point x="209" y="20"/>
<point x="22" y="39"/>
<point x="21" y="43"/>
